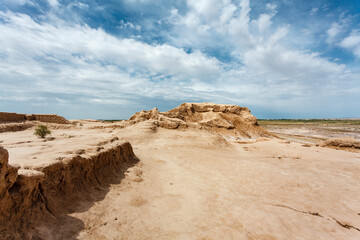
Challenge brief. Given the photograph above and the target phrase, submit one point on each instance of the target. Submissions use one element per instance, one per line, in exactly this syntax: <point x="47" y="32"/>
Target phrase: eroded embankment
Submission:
<point x="30" y="197"/>
<point x="15" y="127"/>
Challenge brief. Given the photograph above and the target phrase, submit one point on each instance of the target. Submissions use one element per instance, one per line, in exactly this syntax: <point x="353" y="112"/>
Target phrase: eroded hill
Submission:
<point x="227" y="119"/>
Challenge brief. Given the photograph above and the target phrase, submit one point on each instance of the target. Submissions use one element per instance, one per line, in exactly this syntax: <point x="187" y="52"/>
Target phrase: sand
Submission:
<point x="263" y="190"/>
<point x="195" y="183"/>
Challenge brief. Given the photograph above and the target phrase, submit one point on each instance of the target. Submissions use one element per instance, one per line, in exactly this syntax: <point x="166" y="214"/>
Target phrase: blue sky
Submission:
<point x="109" y="59"/>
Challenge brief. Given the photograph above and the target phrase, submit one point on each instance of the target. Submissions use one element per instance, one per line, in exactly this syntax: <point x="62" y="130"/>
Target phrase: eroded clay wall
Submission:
<point x="11" y="117"/>
<point x="50" y="118"/>
<point x="16" y="117"/>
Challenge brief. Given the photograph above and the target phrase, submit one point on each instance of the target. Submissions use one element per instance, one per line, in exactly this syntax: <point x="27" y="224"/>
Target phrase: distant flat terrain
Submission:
<point x="312" y="131"/>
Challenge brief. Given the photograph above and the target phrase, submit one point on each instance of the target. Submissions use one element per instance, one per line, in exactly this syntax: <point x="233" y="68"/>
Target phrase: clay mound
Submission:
<point x="225" y="119"/>
<point x="345" y="143"/>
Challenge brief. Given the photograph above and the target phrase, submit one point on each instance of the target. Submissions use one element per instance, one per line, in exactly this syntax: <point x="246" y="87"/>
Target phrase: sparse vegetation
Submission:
<point x="111" y="120"/>
<point x="42" y="131"/>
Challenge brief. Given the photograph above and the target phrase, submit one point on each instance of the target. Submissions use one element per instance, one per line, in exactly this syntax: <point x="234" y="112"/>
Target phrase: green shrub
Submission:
<point x="42" y="131"/>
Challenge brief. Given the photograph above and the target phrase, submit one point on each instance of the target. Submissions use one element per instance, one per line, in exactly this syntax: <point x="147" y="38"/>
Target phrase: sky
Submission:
<point x="109" y="59"/>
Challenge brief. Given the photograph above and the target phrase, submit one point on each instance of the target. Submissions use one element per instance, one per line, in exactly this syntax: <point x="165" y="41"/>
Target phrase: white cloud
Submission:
<point x="263" y="56"/>
<point x="239" y="25"/>
<point x="292" y="66"/>
<point x="65" y="42"/>
<point x="227" y="12"/>
<point x="263" y="22"/>
<point x="207" y="8"/>
<point x="62" y="58"/>
<point x="130" y="25"/>
<point x="338" y="29"/>
<point x="352" y="42"/>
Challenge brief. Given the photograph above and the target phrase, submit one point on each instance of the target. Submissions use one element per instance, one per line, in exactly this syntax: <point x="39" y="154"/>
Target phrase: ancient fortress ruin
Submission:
<point x="18" y="117"/>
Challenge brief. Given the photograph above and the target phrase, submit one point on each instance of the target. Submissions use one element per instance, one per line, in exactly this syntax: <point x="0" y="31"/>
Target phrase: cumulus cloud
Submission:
<point x="259" y="51"/>
<point x="61" y="58"/>
<point x="291" y="66"/>
<point x="25" y="38"/>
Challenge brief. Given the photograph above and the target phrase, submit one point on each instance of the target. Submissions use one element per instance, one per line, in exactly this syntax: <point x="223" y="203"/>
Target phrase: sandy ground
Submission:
<point x="31" y="152"/>
<point x="192" y="184"/>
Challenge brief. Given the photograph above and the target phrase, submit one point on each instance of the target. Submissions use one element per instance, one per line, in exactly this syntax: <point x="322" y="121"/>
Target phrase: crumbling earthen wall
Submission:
<point x="16" y="117"/>
<point x="50" y="118"/>
<point x="11" y="117"/>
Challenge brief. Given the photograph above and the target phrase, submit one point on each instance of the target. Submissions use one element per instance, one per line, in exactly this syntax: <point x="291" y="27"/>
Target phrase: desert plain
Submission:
<point x="199" y="171"/>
